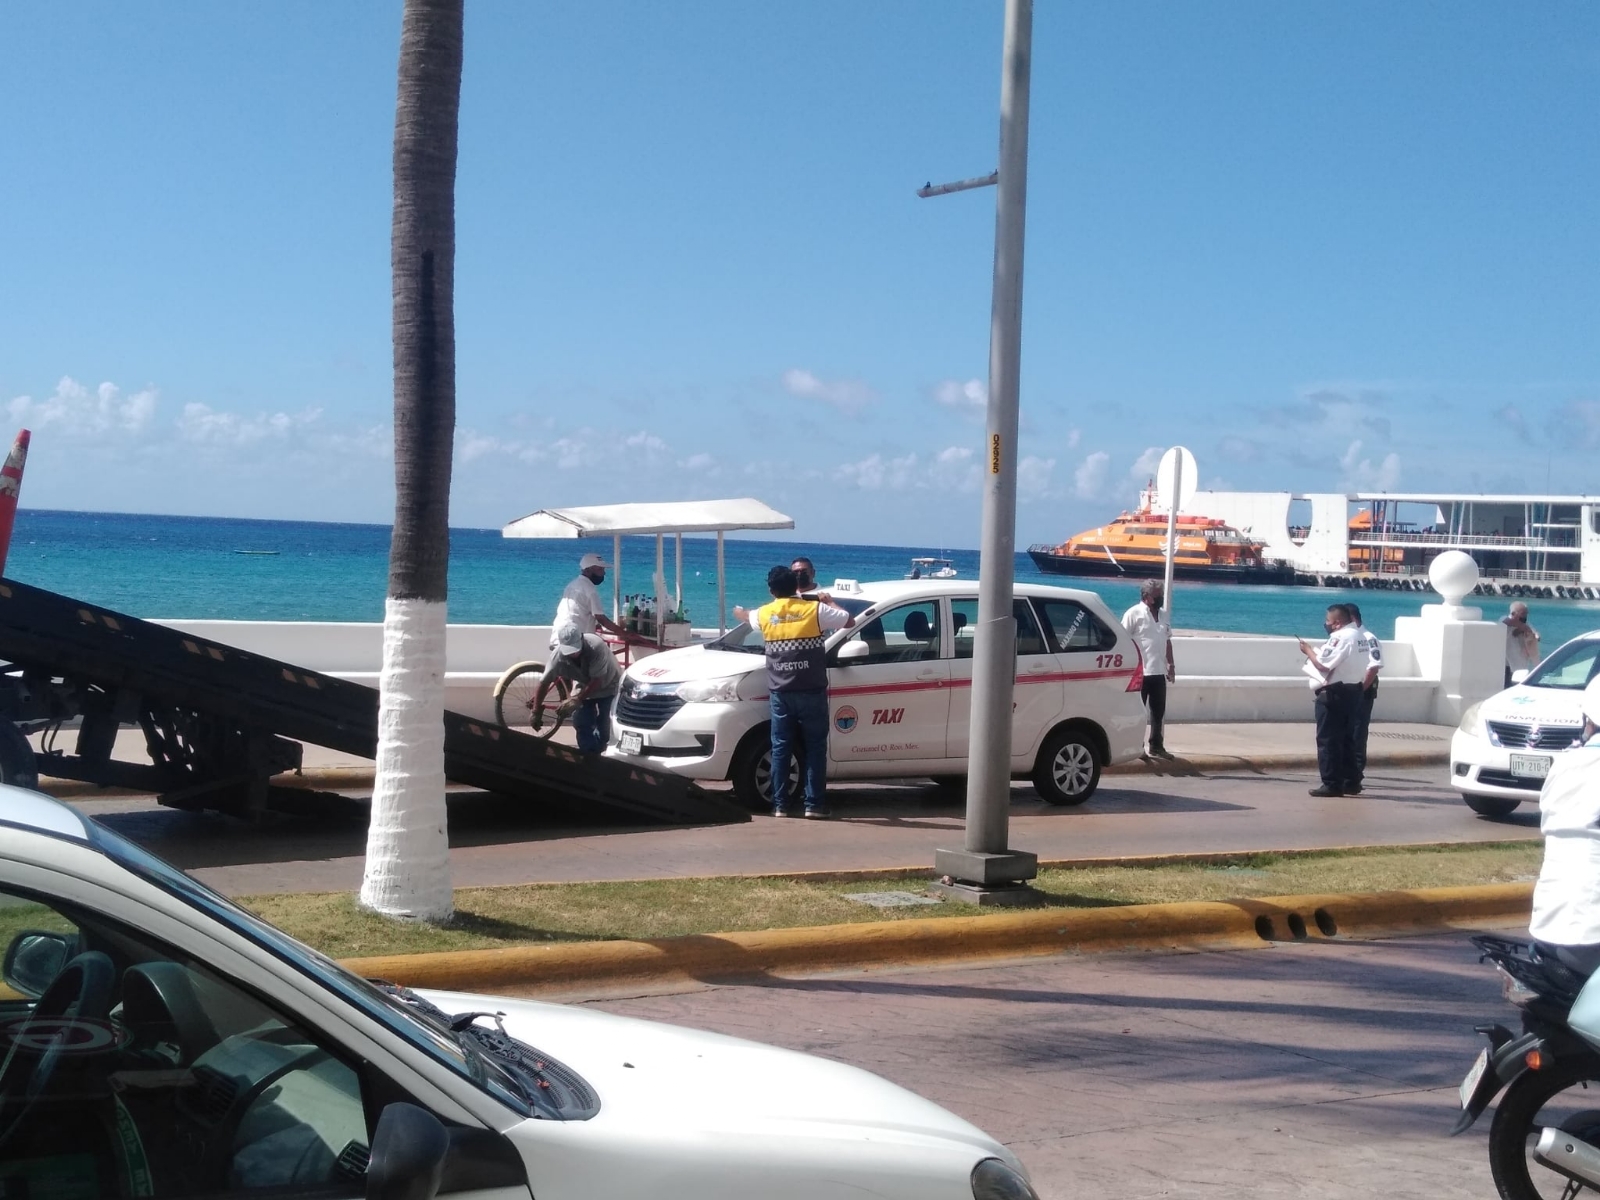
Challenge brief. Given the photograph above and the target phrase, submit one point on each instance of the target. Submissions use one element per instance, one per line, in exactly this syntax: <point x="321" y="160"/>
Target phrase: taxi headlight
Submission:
<point x="993" y="1180"/>
<point x="1472" y="720"/>
<point x="709" y="691"/>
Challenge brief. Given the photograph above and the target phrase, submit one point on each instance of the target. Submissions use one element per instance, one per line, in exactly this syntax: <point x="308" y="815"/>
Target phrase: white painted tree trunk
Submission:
<point x="407" y="871"/>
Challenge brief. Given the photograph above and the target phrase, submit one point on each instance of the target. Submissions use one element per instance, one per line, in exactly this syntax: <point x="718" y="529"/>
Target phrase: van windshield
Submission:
<point x="745" y="638"/>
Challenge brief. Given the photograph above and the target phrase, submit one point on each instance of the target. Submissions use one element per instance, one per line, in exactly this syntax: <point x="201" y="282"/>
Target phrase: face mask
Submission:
<point x="1327" y="626"/>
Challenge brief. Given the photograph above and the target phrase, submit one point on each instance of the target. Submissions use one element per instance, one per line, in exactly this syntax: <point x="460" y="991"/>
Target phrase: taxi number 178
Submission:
<point x="1108" y="660"/>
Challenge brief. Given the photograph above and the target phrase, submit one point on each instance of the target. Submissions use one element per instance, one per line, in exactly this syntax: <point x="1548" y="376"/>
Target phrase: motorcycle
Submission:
<point x="1545" y="1138"/>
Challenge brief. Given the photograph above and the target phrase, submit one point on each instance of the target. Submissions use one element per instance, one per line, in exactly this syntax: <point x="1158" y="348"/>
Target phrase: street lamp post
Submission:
<point x="986" y="870"/>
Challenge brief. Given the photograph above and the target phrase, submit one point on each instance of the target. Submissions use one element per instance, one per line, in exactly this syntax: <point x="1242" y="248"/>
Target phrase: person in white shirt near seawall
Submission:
<point x="1153" y="634"/>
<point x="1337" y="669"/>
<point x="1373" y="649"/>
<point x="1522" y="640"/>
<point x="1566" y="900"/>
<point x="580" y="602"/>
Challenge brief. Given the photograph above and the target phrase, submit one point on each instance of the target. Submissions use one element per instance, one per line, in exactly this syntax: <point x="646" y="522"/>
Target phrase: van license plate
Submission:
<point x="1530" y="766"/>
<point x="1470" y="1083"/>
<point x="632" y="743"/>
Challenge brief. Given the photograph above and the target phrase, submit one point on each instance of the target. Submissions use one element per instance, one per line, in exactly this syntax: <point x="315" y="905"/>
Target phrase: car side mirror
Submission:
<point x="854" y="648"/>
<point x="408" y="1152"/>
<point x="34" y="958"/>
<point x="1520" y="676"/>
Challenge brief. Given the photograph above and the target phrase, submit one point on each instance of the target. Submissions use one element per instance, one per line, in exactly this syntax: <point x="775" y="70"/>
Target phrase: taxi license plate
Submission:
<point x="1530" y="766"/>
<point x="632" y="743"/>
<point x="1474" y="1077"/>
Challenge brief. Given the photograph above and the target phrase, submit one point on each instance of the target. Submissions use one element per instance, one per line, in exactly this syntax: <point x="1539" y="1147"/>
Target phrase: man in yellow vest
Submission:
<point x="794" y="630"/>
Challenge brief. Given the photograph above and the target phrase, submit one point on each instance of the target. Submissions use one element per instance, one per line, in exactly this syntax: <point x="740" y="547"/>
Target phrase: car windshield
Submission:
<point x="747" y="639"/>
<point x="388" y="1007"/>
<point x="1570" y="668"/>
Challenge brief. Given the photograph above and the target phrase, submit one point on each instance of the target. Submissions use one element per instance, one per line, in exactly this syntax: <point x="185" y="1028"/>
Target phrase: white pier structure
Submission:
<point x="1548" y="540"/>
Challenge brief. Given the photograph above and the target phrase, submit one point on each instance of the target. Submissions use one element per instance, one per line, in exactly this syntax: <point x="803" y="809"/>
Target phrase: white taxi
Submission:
<point x="900" y="694"/>
<point x="156" y="1040"/>
<point x="1504" y="746"/>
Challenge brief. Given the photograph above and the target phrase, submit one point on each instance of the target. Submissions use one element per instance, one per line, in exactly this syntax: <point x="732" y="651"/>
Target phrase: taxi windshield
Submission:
<point x="747" y="638"/>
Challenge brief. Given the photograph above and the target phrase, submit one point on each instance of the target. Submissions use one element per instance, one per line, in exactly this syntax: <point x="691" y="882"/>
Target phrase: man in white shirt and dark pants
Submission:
<point x="1373" y="649"/>
<point x="580" y="604"/>
<point x="1566" y="900"/>
<point x="1153" y="634"/>
<point x="1337" y="669"/>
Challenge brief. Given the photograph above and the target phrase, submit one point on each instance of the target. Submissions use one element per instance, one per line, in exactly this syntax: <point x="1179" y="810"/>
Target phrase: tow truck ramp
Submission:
<point x="219" y="723"/>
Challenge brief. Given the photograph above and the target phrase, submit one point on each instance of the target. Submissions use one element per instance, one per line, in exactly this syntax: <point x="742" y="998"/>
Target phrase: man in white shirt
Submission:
<point x="1152" y="633"/>
<point x="1373" y="649"/>
<point x="1566" y="900"/>
<point x="1336" y="669"/>
<point x="1522" y="640"/>
<point x="580" y="605"/>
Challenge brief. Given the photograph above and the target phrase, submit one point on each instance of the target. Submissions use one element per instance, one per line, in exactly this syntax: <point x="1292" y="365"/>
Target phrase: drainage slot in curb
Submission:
<point x="1325" y="922"/>
<point x="1297" y="927"/>
<point x="1264" y="929"/>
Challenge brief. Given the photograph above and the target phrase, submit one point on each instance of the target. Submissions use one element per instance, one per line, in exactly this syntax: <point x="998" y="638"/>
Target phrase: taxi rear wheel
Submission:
<point x="1068" y="768"/>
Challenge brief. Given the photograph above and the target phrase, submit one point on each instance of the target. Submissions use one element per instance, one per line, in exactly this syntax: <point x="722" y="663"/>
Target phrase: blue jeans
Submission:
<point x="592" y="723"/>
<point x="802" y="717"/>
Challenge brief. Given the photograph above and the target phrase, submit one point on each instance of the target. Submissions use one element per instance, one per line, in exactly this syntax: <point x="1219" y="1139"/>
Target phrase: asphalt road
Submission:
<point x="880" y="825"/>
<point x="1318" y="1072"/>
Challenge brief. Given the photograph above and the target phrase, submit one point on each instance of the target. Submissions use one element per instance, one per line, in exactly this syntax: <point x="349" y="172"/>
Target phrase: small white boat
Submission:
<point x="931" y="568"/>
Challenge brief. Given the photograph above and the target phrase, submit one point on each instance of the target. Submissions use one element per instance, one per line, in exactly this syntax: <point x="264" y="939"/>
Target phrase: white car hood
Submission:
<point x="699" y="1083"/>
<point x="1536" y="705"/>
<point x="694" y="662"/>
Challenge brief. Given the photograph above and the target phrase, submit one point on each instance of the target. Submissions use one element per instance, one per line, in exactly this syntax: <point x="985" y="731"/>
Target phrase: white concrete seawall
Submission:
<point x="1430" y="674"/>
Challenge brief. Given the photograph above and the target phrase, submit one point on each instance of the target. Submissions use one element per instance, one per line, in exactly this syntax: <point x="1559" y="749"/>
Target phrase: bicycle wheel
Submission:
<point x="513" y="701"/>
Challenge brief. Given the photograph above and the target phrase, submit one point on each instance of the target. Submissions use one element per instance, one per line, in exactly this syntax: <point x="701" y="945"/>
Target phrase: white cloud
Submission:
<point x="1144" y="467"/>
<point x="648" y="445"/>
<point x="471" y="445"/>
<point x="878" y="474"/>
<point x="848" y="396"/>
<point x="955" y="467"/>
<point x="698" y="462"/>
<point x="1074" y="436"/>
<point x="1033" y="477"/>
<point x="1089" y="480"/>
<point x="202" y="424"/>
<point x="72" y="411"/>
<point x="1361" y="475"/>
<point x="970" y="395"/>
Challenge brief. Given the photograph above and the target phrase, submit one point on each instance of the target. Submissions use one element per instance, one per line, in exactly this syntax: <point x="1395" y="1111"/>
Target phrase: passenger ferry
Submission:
<point x="1134" y="547"/>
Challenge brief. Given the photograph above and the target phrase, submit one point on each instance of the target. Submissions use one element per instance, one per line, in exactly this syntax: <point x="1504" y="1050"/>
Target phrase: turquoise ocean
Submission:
<point x="161" y="566"/>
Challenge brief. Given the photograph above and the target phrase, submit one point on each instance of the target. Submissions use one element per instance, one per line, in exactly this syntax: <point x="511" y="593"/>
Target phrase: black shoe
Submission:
<point x="779" y="810"/>
<point x="1352" y="789"/>
<point x="819" y="814"/>
<point x="1324" y="790"/>
<point x="1163" y="752"/>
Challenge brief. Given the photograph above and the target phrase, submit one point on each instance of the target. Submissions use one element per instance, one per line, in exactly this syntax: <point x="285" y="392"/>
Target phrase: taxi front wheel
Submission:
<point x="1068" y="769"/>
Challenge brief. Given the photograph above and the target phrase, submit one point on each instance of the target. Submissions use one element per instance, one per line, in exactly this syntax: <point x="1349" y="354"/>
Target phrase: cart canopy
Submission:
<point x="618" y="520"/>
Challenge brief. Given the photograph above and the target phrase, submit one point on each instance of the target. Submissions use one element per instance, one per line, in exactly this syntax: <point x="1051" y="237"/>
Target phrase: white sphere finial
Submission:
<point x="1453" y="575"/>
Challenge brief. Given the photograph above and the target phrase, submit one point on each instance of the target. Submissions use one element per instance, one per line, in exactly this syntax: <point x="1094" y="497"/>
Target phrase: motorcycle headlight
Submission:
<point x="993" y="1180"/>
<point x="709" y="691"/>
<point x="1472" y="720"/>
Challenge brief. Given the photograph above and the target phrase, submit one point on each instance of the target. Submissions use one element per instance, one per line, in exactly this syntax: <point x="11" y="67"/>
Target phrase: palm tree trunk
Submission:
<point x="408" y="852"/>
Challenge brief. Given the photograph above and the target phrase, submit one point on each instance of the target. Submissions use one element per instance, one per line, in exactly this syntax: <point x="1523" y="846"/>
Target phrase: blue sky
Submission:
<point x="1323" y="245"/>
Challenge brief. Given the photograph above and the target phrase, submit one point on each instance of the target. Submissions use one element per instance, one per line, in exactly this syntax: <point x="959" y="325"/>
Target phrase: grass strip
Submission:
<point x="491" y="917"/>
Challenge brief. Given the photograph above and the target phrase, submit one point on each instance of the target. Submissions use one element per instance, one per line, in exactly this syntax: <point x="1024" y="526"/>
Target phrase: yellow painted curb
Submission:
<point x="578" y="967"/>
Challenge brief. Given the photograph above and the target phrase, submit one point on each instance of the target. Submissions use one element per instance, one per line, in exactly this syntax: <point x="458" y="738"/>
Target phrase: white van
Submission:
<point x="900" y="694"/>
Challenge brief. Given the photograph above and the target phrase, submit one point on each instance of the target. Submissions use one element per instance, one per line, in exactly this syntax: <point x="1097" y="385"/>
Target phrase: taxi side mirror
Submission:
<point x="1520" y="676"/>
<point x="854" y="648"/>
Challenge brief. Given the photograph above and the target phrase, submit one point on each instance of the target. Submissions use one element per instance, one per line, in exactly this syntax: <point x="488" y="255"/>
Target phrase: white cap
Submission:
<point x="569" y="640"/>
<point x="1591" y="700"/>
<point x="591" y="560"/>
